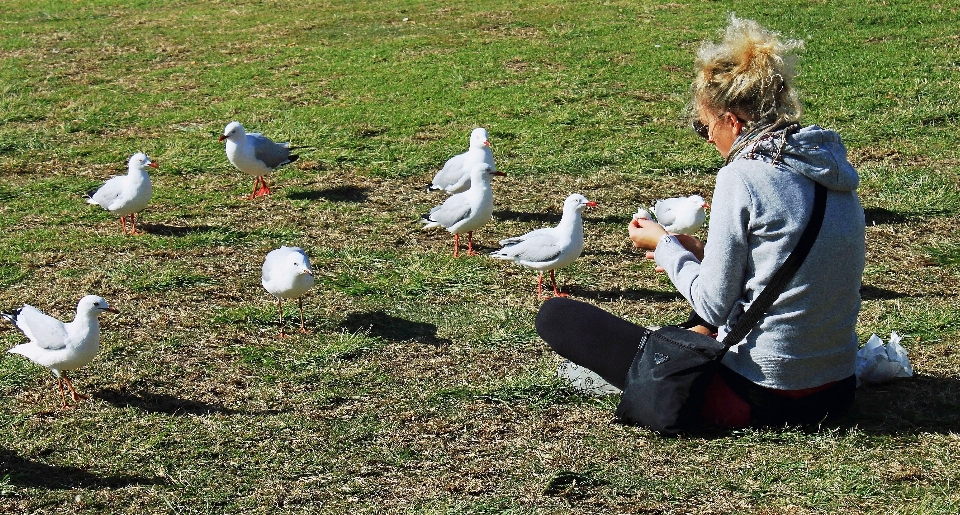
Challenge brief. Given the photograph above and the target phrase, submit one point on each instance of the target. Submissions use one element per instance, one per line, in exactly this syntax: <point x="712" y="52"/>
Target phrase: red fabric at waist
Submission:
<point x="724" y="408"/>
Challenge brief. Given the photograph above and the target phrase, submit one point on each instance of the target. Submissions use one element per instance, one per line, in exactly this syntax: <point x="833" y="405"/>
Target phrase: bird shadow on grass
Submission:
<point x="176" y="230"/>
<point x="518" y="216"/>
<point x="879" y="216"/>
<point x="380" y="324"/>
<point x="31" y="474"/>
<point x="554" y="218"/>
<point x="883" y="216"/>
<point x="868" y="292"/>
<point x="163" y="403"/>
<point x="337" y="194"/>
<point x="919" y="404"/>
<point x="609" y="219"/>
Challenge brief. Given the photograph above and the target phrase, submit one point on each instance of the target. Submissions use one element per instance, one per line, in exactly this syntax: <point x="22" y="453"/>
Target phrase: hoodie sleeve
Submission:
<point x="715" y="286"/>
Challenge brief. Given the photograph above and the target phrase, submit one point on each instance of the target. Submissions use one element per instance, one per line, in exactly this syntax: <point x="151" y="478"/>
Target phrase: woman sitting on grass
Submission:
<point x="797" y="364"/>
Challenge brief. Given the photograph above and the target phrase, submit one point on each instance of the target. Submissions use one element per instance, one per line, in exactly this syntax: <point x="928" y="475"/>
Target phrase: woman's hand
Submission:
<point x="645" y="234"/>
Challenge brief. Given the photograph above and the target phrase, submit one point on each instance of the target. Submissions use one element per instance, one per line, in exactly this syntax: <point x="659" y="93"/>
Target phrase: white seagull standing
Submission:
<point x="126" y="195"/>
<point x="467" y="211"/>
<point x="255" y="154"/>
<point x="681" y="215"/>
<point x="454" y="177"/>
<point x="552" y="247"/>
<point x="287" y="275"/>
<point x="58" y="346"/>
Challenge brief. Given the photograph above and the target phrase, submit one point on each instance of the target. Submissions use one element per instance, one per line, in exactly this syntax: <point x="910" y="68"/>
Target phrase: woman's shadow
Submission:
<point x="921" y="403"/>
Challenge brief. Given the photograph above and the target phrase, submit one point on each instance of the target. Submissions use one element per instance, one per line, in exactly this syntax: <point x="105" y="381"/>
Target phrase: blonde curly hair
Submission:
<point x="750" y="73"/>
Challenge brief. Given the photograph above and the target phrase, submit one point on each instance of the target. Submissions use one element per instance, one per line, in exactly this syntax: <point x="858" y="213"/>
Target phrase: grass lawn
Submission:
<point x="423" y="387"/>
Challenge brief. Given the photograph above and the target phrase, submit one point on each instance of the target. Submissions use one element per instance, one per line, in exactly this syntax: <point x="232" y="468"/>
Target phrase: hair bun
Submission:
<point x="750" y="71"/>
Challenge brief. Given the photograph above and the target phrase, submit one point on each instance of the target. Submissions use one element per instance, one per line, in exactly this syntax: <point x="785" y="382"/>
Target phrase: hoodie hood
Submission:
<point x="812" y="151"/>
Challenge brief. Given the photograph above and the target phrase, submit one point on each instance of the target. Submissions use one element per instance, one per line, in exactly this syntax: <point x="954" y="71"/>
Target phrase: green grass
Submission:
<point x="422" y="386"/>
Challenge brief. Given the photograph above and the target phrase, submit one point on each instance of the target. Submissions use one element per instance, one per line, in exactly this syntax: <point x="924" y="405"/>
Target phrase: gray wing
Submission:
<point x="531" y="234"/>
<point x="270" y="153"/>
<point x="450" y="212"/>
<point x="536" y="247"/>
<point x="451" y="173"/>
<point x="666" y="215"/>
<point x="42" y="329"/>
<point x="109" y="192"/>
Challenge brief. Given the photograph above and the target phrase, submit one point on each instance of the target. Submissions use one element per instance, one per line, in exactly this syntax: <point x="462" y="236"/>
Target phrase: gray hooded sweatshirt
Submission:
<point x="808" y="337"/>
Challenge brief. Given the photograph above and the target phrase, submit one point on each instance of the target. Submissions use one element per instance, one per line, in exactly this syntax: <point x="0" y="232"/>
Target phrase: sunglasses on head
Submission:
<point x="701" y="129"/>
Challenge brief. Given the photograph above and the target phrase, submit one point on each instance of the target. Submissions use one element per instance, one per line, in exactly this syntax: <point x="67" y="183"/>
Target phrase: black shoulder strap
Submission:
<point x="783" y="275"/>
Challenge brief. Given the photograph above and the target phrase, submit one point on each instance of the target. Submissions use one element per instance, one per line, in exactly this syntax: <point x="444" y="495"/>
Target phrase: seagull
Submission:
<point x="681" y="215"/>
<point x="255" y="154"/>
<point x="454" y="177"/>
<point x="58" y="346"/>
<point x="467" y="211"/>
<point x="287" y="275"/>
<point x="552" y="247"/>
<point x="126" y="195"/>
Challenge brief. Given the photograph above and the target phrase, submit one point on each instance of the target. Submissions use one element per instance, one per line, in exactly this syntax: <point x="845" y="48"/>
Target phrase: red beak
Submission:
<point x="592" y="204"/>
<point x="487" y="143"/>
<point x="155" y="165"/>
<point x="222" y="137"/>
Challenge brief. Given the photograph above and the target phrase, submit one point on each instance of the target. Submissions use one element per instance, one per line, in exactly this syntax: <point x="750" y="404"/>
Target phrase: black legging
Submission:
<point x="607" y="344"/>
<point x="590" y="337"/>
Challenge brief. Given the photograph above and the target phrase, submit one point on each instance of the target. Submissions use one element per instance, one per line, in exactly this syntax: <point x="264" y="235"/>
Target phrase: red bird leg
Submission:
<point x="73" y="393"/>
<point x="302" y="328"/>
<point x="555" y="290"/>
<point x="456" y="245"/>
<point x="256" y="185"/>
<point x="63" y="396"/>
<point x="133" y="224"/>
<point x="123" y="224"/>
<point x="540" y="287"/>
<point x="264" y="189"/>
<point x="470" y="251"/>
<point x="280" y="309"/>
